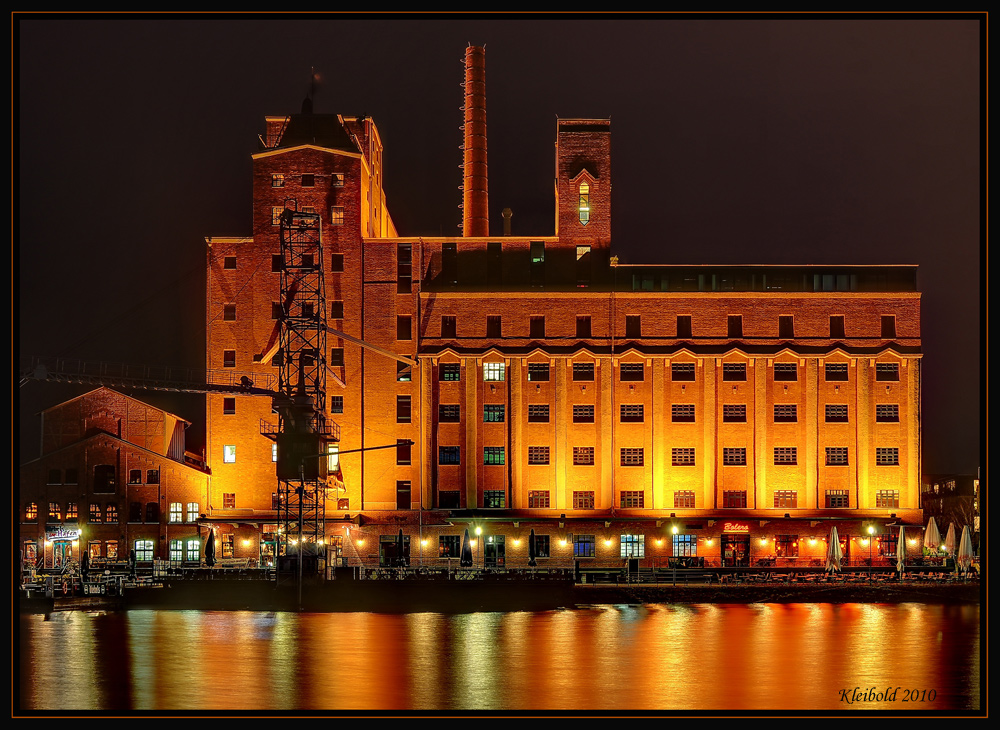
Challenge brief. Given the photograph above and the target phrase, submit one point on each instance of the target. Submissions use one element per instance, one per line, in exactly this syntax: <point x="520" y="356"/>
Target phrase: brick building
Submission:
<point x="113" y="476"/>
<point x="617" y="411"/>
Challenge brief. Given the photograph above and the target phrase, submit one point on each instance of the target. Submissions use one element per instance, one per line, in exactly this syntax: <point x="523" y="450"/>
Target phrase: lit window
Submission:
<point x="71" y="511"/>
<point x="684" y="546"/>
<point x="684" y="499"/>
<point x="276" y="212"/>
<point x="452" y="371"/>
<point x="176" y="512"/>
<point x="493" y="371"/>
<point x="493" y="413"/>
<point x="274" y="452"/>
<point x="786" y="498"/>
<point x="584" y="546"/>
<point x="144" y="550"/>
<point x="493" y="498"/>
<point x="539" y="499"/>
<point x="837" y="499"/>
<point x="176" y="551"/>
<point x="229" y="454"/>
<point x="95" y="512"/>
<point x="194" y="550"/>
<point x="538" y="454"/>
<point x="885" y="498"/>
<point x="277" y="180"/>
<point x="333" y="460"/>
<point x="192" y="511"/>
<point x="336" y="215"/>
<point x="584" y="203"/>
<point x="337" y="180"/>
<point x="55" y="514"/>
<point x="493" y="455"/>
<point x="633" y="546"/>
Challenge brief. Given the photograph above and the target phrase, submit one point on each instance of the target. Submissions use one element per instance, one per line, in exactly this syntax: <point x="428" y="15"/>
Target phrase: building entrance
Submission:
<point x="735" y="550"/>
<point x="494" y="555"/>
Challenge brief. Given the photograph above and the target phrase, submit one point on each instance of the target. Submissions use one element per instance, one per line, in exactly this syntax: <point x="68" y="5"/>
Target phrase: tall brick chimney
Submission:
<point x="475" y="203"/>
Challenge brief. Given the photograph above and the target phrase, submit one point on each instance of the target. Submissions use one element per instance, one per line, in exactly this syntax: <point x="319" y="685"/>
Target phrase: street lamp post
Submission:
<point x="871" y="533"/>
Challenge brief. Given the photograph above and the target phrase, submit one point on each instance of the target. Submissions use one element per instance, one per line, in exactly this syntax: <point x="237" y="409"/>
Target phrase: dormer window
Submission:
<point x="584" y="203"/>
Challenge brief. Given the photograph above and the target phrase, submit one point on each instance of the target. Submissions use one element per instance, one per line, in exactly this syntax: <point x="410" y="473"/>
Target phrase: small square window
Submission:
<point x="336" y="404"/>
<point x="229" y="406"/>
<point x="229" y="262"/>
<point x="229" y="454"/>
<point x="337" y="180"/>
<point x="538" y="371"/>
<point x="277" y="180"/>
<point x="229" y="312"/>
<point x="308" y="180"/>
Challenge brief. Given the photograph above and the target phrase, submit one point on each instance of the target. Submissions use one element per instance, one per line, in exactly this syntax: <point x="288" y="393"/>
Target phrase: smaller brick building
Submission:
<point x="113" y="476"/>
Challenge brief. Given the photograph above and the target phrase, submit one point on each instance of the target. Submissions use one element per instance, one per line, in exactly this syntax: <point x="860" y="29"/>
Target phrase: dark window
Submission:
<point x="449" y="327"/>
<point x="583" y="327"/>
<point x="837" y="499"/>
<point x="307" y="261"/>
<point x="450" y="371"/>
<point x="152" y="512"/>
<point x="734" y="499"/>
<point x="888" y="326"/>
<point x="402" y="409"/>
<point x="887" y="413"/>
<point x="682" y="413"/>
<point x="135" y="476"/>
<point x="583" y="500"/>
<point x="404" y="328"/>
<point x="734" y="371"/>
<point x="837" y="330"/>
<point x="449" y="454"/>
<point x="786" y="327"/>
<point x="336" y="404"/>
<point x="493" y="499"/>
<point x="836" y="456"/>
<point x="494" y="264"/>
<point x="583" y="456"/>
<point x="682" y="372"/>
<point x="336" y="356"/>
<point x="276" y="263"/>
<point x="538" y="454"/>
<point x="887" y="456"/>
<point x="583" y="371"/>
<point x="633" y="326"/>
<point x="403" y="447"/>
<point x="493" y="455"/>
<point x="403" y="494"/>
<point x="583" y="414"/>
<point x="836" y="372"/>
<point x="786" y="546"/>
<point x="104" y="478"/>
<point x="336" y="310"/>
<point x="541" y="541"/>
<point x="538" y="413"/>
<point x="632" y="499"/>
<point x="229" y="312"/>
<point x="404" y="268"/>
<point x="682" y="457"/>
<point x="229" y="262"/>
<point x="493" y="326"/>
<point x="632" y="413"/>
<point x="229" y="358"/>
<point x="786" y="455"/>
<point x="584" y="546"/>
<point x="449" y="546"/>
<point x="337" y="263"/>
<point x="888" y="371"/>
<point x="71" y="476"/>
<point x="786" y="498"/>
<point x="449" y="413"/>
<point x="229" y="500"/>
<point x="229" y="406"/>
<point x="786" y="413"/>
<point x="55" y="476"/>
<point x="308" y="180"/>
<point x="735" y="325"/>
<point x="786" y="371"/>
<point x="632" y="371"/>
<point x="493" y="413"/>
<point x="135" y="512"/>
<point x="734" y="413"/>
<point x="836" y="413"/>
<point x="734" y="457"/>
<point x="684" y="499"/>
<point x="536" y="328"/>
<point x="684" y="326"/>
<point x="631" y="457"/>
<point x="538" y="371"/>
<point x="275" y="310"/>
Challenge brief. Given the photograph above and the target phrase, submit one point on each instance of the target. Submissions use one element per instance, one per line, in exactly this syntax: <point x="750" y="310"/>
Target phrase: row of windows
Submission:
<point x="108" y="513"/>
<point x="308" y="179"/>
<point x="336" y="214"/>
<point x="105" y="479"/>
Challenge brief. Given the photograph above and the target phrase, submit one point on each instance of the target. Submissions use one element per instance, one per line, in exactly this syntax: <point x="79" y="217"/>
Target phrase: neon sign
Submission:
<point x="735" y="527"/>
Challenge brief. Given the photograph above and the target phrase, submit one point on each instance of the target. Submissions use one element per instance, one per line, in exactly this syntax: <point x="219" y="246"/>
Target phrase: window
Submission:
<point x="336" y="357"/>
<point x="684" y="499"/>
<point x="228" y="545"/>
<point x="583" y="371"/>
<point x="274" y="452"/>
<point x="276" y="263"/>
<point x="631" y="457"/>
<point x="786" y="371"/>
<point x="786" y="546"/>
<point x="276" y="310"/>
<point x="193" y="550"/>
<point x="632" y="499"/>
<point x="337" y="179"/>
<point x="277" y="180"/>
<point x="887" y="413"/>
<point x="583" y="327"/>
<point x="452" y="371"/>
<point x="633" y="546"/>
<point x="176" y="551"/>
<point x="55" y="513"/>
<point x="836" y="456"/>
<point x="493" y="499"/>
<point x="229" y="358"/>
<point x="787" y="455"/>
<point x="228" y="406"/>
<point x="404" y="328"/>
<point x="333" y="460"/>
<point x="837" y="330"/>
<point x="684" y="326"/>
<point x="583" y="500"/>
<point x="449" y="546"/>
<point x="583" y="414"/>
<point x="583" y="456"/>
<point x="584" y="546"/>
<point x="403" y="494"/>
<point x="449" y="454"/>
<point x="336" y="404"/>
<point x="111" y="513"/>
<point x="735" y="325"/>
<point x="449" y="499"/>
<point x="493" y="413"/>
<point x="888" y="326"/>
<point x="135" y="476"/>
<point x="404" y="372"/>
<point x="682" y="372"/>
<point x="494" y="371"/>
<point x="538" y="454"/>
<point x="71" y="511"/>
<point x="144" y="550"/>
<point x="538" y="413"/>
<point x="176" y="513"/>
<point x="229" y="262"/>
<point x="493" y="455"/>
<point x="336" y="215"/>
<point x="837" y="499"/>
<point x="734" y="413"/>
<point x="735" y="371"/>
<point x="276" y="212"/>
<point x="786" y="498"/>
<point x="229" y="500"/>
<point x="684" y="546"/>
<point x="308" y="180"/>
<point x="734" y="457"/>
<point x="229" y="312"/>
<point x="682" y="457"/>
<point x="786" y="413"/>
<point x="633" y="326"/>
<point x="402" y="409"/>
<point x="836" y="413"/>
<point x="449" y="413"/>
<point x="152" y="512"/>
<point x="71" y="476"/>
<point x="786" y="327"/>
<point x="538" y="499"/>
<point x="887" y="456"/>
<point x="135" y="512"/>
<point x="449" y="329"/>
<point x="886" y="498"/>
<point x="536" y="272"/>
<point x="538" y="372"/>
<point x="682" y="413"/>
<point x="403" y="452"/>
<point x="582" y="266"/>
<point x="584" y="203"/>
<point x="337" y="263"/>
<point x="632" y="371"/>
<point x="631" y="413"/>
<point x="887" y="371"/>
<point x="734" y="499"/>
<point x="104" y="478"/>
<point x="95" y="512"/>
<point x="493" y="326"/>
<point x="542" y="541"/>
<point x="229" y="454"/>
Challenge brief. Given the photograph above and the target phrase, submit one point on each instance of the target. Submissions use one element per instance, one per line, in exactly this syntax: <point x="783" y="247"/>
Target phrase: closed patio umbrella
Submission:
<point x="466" y="560"/>
<point x="901" y="552"/>
<point x="833" y="552"/>
<point x="964" y="557"/>
<point x="84" y="564"/>
<point x="210" y="549"/>
<point x="949" y="540"/>
<point x="932" y="536"/>
<point x="400" y="559"/>
<point x="531" y="549"/>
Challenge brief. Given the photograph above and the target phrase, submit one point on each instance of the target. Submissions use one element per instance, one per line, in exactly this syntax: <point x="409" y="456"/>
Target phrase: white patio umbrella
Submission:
<point x="901" y="552"/>
<point x="932" y="536"/>
<point x="833" y="552"/>
<point x="949" y="540"/>
<point x="964" y="558"/>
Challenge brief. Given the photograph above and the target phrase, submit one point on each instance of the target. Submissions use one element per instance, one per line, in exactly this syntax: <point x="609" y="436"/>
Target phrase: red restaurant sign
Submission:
<point x="735" y="527"/>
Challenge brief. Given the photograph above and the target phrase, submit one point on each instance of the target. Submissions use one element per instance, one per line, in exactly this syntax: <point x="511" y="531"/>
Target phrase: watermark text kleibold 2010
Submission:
<point x="889" y="694"/>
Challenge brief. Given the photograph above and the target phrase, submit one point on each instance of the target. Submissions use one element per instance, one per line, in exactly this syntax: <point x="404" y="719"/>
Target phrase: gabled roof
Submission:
<point x="162" y="458"/>
<point x="324" y="130"/>
<point x="123" y="395"/>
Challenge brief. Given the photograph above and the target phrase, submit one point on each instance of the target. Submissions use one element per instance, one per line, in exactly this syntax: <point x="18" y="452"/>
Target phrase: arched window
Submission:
<point x="584" y="203"/>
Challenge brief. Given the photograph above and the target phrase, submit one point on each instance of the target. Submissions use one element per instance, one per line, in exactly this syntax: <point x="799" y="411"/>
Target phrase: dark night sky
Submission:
<point x="761" y="140"/>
